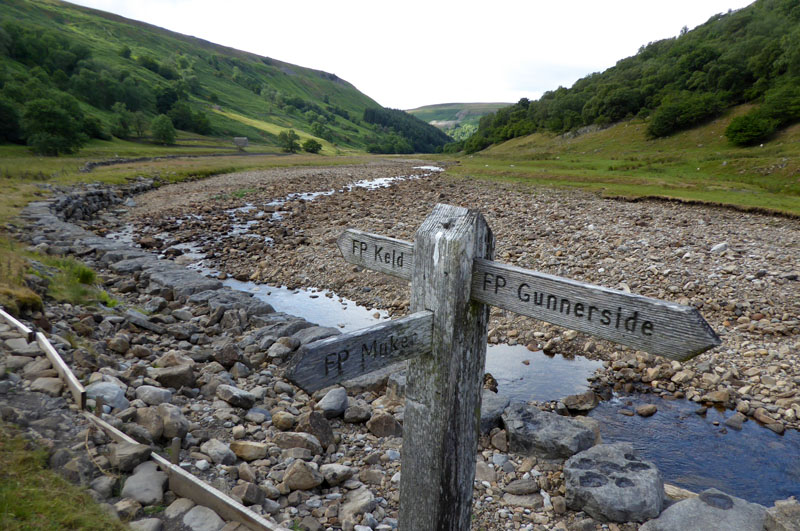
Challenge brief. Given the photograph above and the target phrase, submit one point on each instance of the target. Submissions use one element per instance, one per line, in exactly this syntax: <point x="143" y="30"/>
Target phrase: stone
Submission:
<point x="529" y="501"/>
<point x="334" y="403"/>
<point x="112" y="394"/>
<point x="646" y="410"/>
<point x="249" y="450"/>
<point x="249" y="493"/>
<point x="492" y="407"/>
<point x="717" y="397"/>
<point x="357" y="412"/>
<point x="127" y="456"/>
<point x="246" y="472"/>
<point x="500" y="440"/>
<point x="483" y="472"/>
<point x="711" y="509"/>
<point x="119" y="344"/>
<point x="302" y="476"/>
<point x="178" y="508"/>
<point x="128" y="508"/>
<point x="173" y="358"/>
<point x="283" y="420"/>
<point x="783" y="516"/>
<point x="239" y="370"/>
<point x="355" y="503"/>
<point x="150" y="420"/>
<point x="146" y="524"/>
<point x="521" y="487"/>
<point x="200" y="518"/>
<point x="532" y="432"/>
<point x="227" y="354"/>
<point x="317" y="425"/>
<point x="175" y="424"/>
<point x="153" y="396"/>
<point x="291" y="439"/>
<point x="735" y="421"/>
<point x="383" y="424"/>
<point x="141" y="320"/>
<point x="720" y="248"/>
<point x="146" y="485"/>
<point x="611" y="483"/>
<point x="20" y="347"/>
<point x="104" y="485"/>
<point x="336" y="473"/>
<point x="48" y="386"/>
<point x="235" y="396"/>
<point x="218" y="451"/>
<point x="581" y="402"/>
<point x="175" y="377"/>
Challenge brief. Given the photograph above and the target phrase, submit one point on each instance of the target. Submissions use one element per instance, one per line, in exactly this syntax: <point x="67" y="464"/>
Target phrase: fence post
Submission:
<point x="443" y="389"/>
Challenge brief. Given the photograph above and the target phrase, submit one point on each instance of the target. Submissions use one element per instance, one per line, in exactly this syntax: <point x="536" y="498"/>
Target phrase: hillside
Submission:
<point x="88" y="64"/>
<point x="458" y="120"/>
<point x="747" y="56"/>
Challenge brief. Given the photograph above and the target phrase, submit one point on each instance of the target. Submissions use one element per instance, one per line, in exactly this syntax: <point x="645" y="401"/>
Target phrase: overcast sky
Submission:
<point x="411" y="53"/>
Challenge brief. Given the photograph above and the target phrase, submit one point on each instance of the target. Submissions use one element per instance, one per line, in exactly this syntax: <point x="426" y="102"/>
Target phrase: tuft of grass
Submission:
<point x="34" y="497"/>
<point x="74" y="282"/>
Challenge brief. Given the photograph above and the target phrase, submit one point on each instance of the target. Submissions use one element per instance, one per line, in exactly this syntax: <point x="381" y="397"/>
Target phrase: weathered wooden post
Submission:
<point x="452" y="279"/>
<point x="443" y="390"/>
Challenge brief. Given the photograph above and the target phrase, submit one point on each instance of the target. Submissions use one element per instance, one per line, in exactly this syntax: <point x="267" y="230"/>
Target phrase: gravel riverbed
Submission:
<point x="739" y="269"/>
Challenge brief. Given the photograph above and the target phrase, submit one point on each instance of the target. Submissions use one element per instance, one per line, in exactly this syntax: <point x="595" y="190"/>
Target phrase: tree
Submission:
<point x="288" y="140"/>
<point x="52" y="128"/>
<point x="311" y="146"/>
<point x="163" y="130"/>
<point x="9" y="121"/>
<point x="139" y="123"/>
<point x="123" y="119"/>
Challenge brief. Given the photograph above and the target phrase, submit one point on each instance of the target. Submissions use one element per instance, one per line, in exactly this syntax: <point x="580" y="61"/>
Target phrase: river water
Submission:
<point x="692" y="451"/>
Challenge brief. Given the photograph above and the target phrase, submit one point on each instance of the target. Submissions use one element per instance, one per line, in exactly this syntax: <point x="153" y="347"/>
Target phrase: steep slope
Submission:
<point x="458" y="120"/>
<point x="50" y="49"/>
<point x="747" y="56"/>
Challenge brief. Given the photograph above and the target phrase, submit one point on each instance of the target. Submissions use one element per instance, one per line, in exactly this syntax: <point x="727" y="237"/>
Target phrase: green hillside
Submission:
<point x="458" y="120"/>
<point x="112" y="76"/>
<point x="747" y="56"/>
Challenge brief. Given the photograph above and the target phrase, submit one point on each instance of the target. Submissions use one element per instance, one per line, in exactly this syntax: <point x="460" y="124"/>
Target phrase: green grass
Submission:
<point x="33" y="497"/>
<point x="698" y="165"/>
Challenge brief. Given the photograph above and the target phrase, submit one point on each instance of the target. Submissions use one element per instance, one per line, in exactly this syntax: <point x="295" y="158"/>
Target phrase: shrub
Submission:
<point x="162" y="129"/>
<point x="750" y="129"/>
<point x="312" y="146"/>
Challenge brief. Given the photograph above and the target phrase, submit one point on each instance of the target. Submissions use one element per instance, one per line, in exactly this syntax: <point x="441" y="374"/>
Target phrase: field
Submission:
<point x="696" y="165"/>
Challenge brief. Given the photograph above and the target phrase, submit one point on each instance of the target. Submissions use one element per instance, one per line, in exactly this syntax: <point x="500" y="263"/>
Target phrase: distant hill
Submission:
<point x="751" y="55"/>
<point x="87" y="64"/>
<point x="459" y="120"/>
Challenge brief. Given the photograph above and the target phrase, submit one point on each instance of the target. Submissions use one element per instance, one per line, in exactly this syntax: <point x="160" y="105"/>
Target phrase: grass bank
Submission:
<point x="698" y="165"/>
<point x="34" y="497"/>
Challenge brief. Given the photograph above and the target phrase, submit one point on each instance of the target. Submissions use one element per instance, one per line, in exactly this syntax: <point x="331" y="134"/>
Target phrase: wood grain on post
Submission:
<point x="665" y="328"/>
<point x="443" y="387"/>
<point x="378" y="253"/>
<point x="342" y="357"/>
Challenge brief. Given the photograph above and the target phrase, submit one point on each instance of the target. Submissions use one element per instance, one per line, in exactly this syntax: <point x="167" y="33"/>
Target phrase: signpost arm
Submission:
<point x="443" y="387"/>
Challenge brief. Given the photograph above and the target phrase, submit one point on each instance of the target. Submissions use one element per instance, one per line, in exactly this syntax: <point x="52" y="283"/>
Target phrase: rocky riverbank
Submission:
<point x="740" y="270"/>
<point x="180" y="356"/>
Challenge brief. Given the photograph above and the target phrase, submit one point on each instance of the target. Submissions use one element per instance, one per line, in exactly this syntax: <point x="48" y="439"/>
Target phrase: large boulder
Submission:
<point x="711" y="509"/>
<point x="534" y="432"/>
<point x="610" y="482"/>
<point x="492" y="407"/>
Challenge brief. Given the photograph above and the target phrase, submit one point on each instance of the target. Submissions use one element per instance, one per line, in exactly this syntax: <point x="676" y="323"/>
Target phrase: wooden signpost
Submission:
<point x="453" y="282"/>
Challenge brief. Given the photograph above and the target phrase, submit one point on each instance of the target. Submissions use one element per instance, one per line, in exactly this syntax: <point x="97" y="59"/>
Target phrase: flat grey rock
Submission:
<point x="200" y="518"/>
<point x="153" y="396"/>
<point x="532" y="431"/>
<point x="235" y="396"/>
<point x="711" y="509"/>
<point x="610" y="482"/>
<point x="334" y="403"/>
<point x="315" y="333"/>
<point x="146" y="485"/>
<point x="111" y="393"/>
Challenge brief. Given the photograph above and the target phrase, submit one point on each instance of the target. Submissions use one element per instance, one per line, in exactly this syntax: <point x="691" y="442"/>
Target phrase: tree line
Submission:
<point x="748" y="56"/>
<point x="406" y="133"/>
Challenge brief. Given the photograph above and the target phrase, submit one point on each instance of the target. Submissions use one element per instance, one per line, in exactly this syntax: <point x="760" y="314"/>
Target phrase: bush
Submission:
<point x="163" y="130"/>
<point x="288" y="140"/>
<point x="51" y="129"/>
<point x="312" y="146"/>
<point x="750" y="129"/>
<point x="683" y="111"/>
